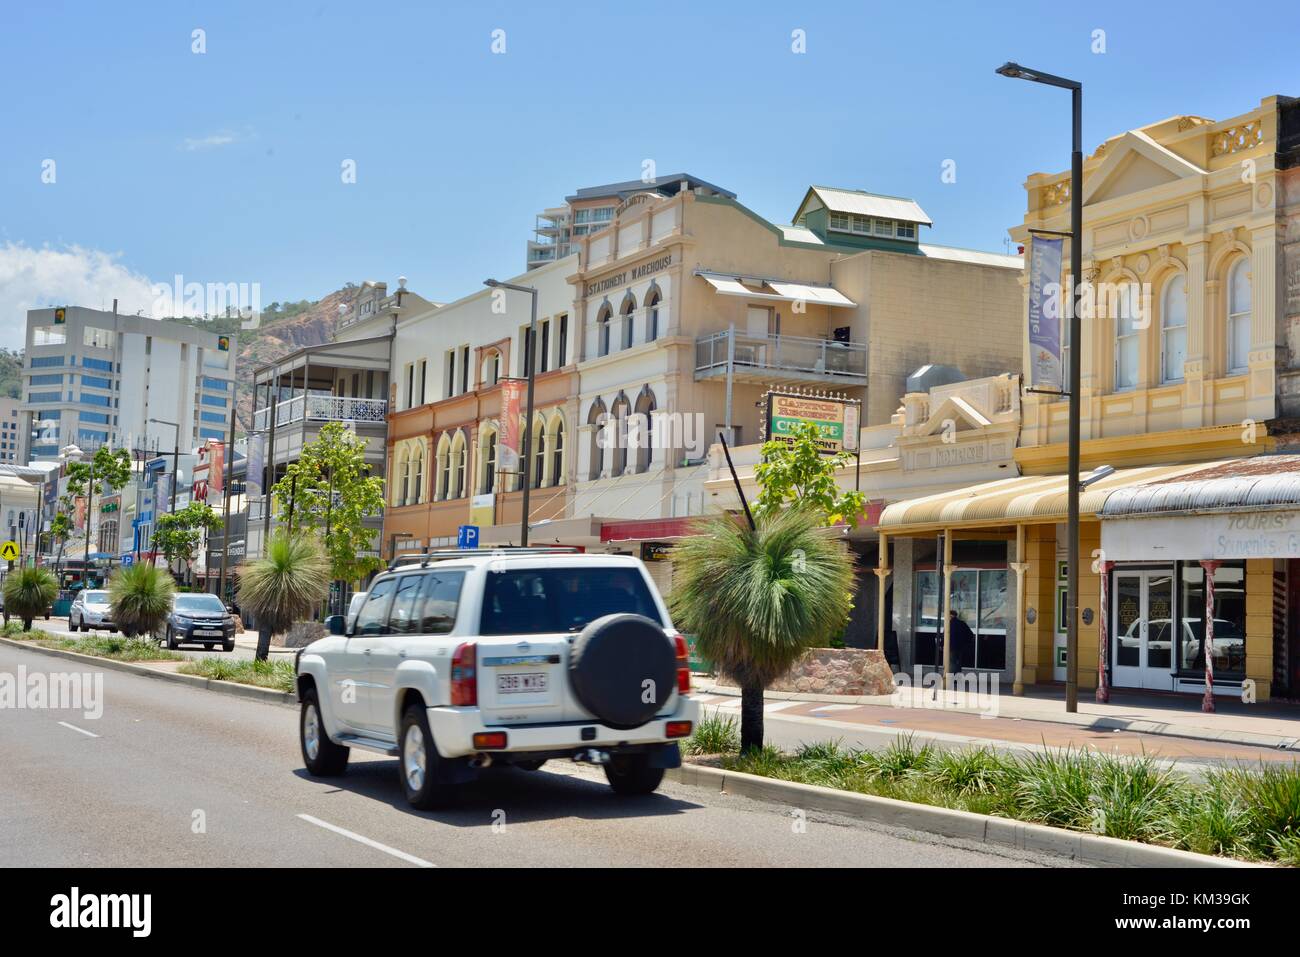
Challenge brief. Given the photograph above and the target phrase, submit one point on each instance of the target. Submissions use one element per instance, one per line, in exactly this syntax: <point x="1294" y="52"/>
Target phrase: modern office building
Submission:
<point x="93" y="378"/>
<point x="9" y="431"/>
<point x="591" y="209"/>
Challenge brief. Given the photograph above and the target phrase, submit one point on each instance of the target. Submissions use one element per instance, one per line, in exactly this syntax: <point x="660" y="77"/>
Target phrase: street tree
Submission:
<point x="178" y="534"/>
<point x="329" y="493"/>
<point x="108" y="468"/>
<point x="284" y="585"/>
<point x="800" y="472"/>
<point x="756" y="598"/>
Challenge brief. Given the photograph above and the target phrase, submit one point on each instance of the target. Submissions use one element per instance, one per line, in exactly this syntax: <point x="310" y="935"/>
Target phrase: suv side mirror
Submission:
<point x="336" y="624"/>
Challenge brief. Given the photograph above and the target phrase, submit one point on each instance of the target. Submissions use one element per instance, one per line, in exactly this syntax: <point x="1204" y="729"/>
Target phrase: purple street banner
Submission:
<point x="1045" y="371"/>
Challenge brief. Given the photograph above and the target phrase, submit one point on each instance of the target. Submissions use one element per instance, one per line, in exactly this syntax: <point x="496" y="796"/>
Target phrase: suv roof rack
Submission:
<point x="449" y="554"/>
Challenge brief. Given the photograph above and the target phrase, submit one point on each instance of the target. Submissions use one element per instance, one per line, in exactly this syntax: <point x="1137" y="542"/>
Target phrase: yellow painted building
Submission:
<point x="1187" y="361"/>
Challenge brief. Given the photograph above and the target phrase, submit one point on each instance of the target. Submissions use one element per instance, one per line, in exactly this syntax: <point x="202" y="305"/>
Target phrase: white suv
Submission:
<point x="464" y="659"/>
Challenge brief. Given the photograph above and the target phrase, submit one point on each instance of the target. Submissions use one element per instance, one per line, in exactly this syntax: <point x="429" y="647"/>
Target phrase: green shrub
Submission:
<point x="715" y="734"/>
<point x="901" y="758"/>
<point x="1131" y="798"/>
<point x="1055" y="787"/>
<point x="141" y="598"/>
<point x="969" y="771"/>
<point x="28" y="593"/>
<point x="277" y="674"/>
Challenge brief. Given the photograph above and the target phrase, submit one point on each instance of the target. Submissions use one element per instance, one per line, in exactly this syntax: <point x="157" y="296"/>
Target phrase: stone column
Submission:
<point x="882" y="575"/>
<point x="1020" y="567"/>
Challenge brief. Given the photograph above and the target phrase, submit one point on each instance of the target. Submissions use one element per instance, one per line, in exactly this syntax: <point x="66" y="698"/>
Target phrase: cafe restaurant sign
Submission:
<point x="837" y="420"/>
<point x="630" y="275"/>
<point x="1225" y="537"/>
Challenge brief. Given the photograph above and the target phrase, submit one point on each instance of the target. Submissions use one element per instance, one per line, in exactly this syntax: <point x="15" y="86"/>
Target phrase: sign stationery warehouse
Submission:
<point x="837" y="419"/>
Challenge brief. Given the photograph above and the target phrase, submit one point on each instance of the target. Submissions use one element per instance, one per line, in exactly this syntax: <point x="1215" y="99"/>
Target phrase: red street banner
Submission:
<point x="512" y="391"/>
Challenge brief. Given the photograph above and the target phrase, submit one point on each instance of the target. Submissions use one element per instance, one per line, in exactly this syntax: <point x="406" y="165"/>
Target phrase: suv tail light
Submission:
<point x="683" y="665"/>
<point x="464" y="675"/>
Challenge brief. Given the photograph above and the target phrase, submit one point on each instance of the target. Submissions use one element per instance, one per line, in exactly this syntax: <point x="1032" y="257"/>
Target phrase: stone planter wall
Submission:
<point x="846" y="671"/>
<point x="302" y="633"/>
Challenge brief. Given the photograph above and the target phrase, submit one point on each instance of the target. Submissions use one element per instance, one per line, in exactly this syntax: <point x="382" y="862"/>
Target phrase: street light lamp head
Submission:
<point x="491" y="282"/>
<point x="1097" y="475"/>
<point x="1014" y="70"/>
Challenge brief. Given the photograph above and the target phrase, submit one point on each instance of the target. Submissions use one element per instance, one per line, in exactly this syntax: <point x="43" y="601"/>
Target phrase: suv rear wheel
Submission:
<point x="423" y="770"/>
<point x="323" y="758"/>
<point x="632" y="774"/>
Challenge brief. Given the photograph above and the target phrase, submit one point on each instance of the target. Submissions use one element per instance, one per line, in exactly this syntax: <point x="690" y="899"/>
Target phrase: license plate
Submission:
<point x="521" y="684"/>
<point x="207" y="632"/>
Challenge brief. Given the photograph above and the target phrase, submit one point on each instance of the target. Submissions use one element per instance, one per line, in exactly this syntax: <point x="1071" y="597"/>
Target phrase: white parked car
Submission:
<point x="461" y="660"/>
<point x="90" y="609"/>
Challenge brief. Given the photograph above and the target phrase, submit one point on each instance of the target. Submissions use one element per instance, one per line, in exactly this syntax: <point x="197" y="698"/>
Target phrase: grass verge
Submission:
<point x="278" y="674"/>
<point x="113" y="646"/>
<point x="1247" y="812"/>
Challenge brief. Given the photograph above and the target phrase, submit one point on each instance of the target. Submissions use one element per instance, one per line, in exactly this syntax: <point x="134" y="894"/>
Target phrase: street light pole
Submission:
<point x="176" y="457"/>
<point x="1016" y="71"/>
<point x="526" y="466"/>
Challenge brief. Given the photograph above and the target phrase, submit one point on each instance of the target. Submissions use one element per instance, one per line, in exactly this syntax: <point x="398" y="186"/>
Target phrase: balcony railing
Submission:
<point x="778" y="357"/>
<point x="323" y="408"/>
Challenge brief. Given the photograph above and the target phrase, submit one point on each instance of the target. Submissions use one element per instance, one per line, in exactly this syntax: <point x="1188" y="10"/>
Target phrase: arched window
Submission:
<point x="400" y="471"/>
<point x="1173" y="329"/>
<point x="641" y="430"/>
<point x="619" y="413"/>
<point x="596" y="419"/>
<point x="442" y="469"/>
<point x="1239" y="317"/>
<point x="555" y="446"/>
<point x="417" y="475"/>
<point x="459" y="453"/>
<point x="626" y="313"/>
<point x="1125" y="308"/>
<point x="602" y="329"/>
<point x="488" y="456"/>
<point x="652" y="315"/>
<point x="539" y="452"/>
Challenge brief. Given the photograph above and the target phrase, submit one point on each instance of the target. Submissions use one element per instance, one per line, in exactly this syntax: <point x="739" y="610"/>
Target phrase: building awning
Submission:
<point x="1258" y="482"/>
<point x="648" y="529"/>
<point x="779" y="290"/>
<point x="1027" y="499"/>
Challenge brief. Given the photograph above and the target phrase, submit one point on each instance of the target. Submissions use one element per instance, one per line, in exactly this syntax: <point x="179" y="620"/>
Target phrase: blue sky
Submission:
<point x="225" y="166"/>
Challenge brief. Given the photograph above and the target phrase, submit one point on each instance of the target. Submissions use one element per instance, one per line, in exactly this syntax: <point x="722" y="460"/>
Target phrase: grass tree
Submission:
<point x="757" y="598"/>
<point x="141" y="598"/>
<point x="284" y="585"/>
<point x="29" y="592"/>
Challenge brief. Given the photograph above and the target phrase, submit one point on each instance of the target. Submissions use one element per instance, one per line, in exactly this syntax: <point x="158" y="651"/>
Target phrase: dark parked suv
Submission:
<point x="200" y="619"/>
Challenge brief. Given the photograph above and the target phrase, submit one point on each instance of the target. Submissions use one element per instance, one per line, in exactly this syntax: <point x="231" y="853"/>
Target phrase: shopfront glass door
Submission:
<point x="1142" y="629"/>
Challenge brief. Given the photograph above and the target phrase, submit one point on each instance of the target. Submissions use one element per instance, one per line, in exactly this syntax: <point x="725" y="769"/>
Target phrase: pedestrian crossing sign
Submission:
<point x="9" y="551"/>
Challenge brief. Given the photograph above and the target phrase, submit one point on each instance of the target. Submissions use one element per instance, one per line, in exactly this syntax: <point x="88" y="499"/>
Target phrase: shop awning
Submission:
<point x="781" y="291"/>
<point x="1024" y="499"/>
<point x="1258" y="482"/>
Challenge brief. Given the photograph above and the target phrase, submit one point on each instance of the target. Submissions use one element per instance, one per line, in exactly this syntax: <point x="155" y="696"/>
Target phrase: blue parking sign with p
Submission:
<point x="467" y="537"/>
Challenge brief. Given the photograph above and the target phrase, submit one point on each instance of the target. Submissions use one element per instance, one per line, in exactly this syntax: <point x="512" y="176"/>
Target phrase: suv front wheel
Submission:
<point x="423" y="770"/>
<point x="632" y="774"/>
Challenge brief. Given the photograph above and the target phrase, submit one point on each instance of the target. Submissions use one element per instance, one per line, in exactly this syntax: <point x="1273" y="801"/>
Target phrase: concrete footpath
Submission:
<point x="1266" y="725"/>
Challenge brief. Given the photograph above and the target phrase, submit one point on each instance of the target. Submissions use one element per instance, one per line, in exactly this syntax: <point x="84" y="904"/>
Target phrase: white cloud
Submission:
<point x="71" y="276"/>
<point x="216" y="140"/>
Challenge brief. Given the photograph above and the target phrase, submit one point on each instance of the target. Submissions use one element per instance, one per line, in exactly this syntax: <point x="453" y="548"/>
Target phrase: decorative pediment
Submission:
<point x="1134" y="163"/>
<point x="959" y="412"/>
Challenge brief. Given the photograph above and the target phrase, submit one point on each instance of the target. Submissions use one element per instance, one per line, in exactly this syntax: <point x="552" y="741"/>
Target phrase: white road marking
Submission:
<point x="835" y="707"/>
<point x="89" y="734"/>
<point x="779" y="706"/>
<point x="401" y="855"/>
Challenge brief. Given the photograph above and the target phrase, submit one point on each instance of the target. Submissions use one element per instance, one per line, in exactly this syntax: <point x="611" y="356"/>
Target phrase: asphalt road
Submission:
<point x="173" y="776"/>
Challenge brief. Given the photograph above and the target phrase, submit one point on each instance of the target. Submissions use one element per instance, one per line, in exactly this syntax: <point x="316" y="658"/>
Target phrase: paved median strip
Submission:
<point x="362" y="839"/>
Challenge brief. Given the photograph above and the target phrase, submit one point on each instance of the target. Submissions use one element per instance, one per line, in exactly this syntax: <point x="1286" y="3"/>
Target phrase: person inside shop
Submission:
<point x="963" y="642"/>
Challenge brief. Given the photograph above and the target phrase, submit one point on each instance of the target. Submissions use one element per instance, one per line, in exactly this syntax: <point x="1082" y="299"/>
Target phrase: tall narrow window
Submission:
<point x="652" y="317"/>
<point x="602" y="327"/>
<point x="489" y="463"/>
<point x="450" y="389"/>
<point x="1126" y="337"/>
<point x="1239" y="317"/>
<point x="526" y="359"/>
<point x="544" y="349"/>
<point x="464" y="369"/>
<point x="410" y="384"/>
<point x="557" y="454"/>
<point x="424" y="371"/>
<point x="561" y="355"/>
<point x="628" y="311"/>
<point x="1173" y="330"/>
<point x="539" y="453"/>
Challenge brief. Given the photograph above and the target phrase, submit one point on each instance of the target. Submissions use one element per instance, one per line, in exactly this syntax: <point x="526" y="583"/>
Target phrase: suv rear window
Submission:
<point x="548" y="600"/>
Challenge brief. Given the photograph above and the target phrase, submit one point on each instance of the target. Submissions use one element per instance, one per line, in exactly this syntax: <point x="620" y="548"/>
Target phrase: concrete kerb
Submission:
<point x="1090" y="721"/>
<point x="963" y="825"/>
<point x="265" y="695"/>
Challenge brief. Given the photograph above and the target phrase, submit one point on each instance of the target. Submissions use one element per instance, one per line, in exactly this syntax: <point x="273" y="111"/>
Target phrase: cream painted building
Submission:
<point x="1191" y="249"/>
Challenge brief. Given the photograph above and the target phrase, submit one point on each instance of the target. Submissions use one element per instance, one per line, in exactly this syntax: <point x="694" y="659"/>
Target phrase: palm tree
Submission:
<point x="29" y="592"/>
<point x="757" y="598"/>
<point x="141" y="598"/>
<point x="291" y="579"/>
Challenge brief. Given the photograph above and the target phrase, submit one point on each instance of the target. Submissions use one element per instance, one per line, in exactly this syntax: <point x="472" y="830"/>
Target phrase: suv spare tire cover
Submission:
<point x="610" y="663"/>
